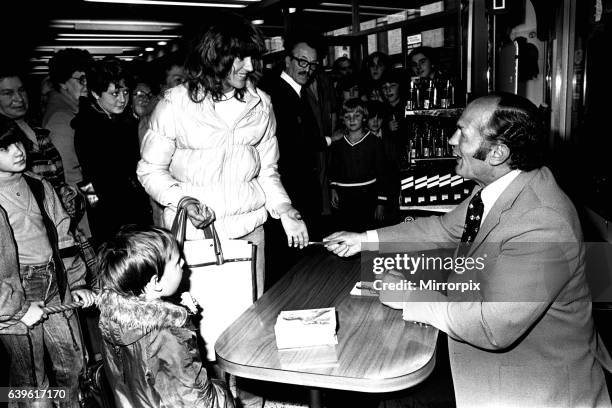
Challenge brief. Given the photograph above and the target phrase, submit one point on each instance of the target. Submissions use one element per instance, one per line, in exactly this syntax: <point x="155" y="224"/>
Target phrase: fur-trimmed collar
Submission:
<point x="126" y="319"/>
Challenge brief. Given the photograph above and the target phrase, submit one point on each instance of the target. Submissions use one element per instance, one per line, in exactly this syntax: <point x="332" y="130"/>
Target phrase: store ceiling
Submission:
<point x="33" y="30"/>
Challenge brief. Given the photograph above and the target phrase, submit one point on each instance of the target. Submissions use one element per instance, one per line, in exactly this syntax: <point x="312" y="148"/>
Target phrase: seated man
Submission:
<point x="522" y="335"/>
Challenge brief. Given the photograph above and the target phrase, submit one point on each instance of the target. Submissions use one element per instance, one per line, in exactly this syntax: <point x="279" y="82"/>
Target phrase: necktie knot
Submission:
<point x="473" y="219"/>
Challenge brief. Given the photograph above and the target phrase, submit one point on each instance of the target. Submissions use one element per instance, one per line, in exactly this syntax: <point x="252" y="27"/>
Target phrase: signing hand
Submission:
<point x="295" y="228"/>
<point x="83" y="295"/>
<point x="34" y="314"/>
<point x="345" y="243"/>
<point x="199" y="214"/>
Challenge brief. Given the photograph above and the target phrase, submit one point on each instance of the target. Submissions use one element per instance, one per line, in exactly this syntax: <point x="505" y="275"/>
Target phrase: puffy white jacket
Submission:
<point x="190" y="151"/>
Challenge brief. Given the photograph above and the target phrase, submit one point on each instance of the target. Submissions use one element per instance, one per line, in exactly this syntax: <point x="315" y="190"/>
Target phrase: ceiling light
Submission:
<point x="162" y="43"/>
<point x="292" y="9"/>
<point x="149" y="49"/>
<point x="170" y="3"/>
<point x="141" y="54"/>
<point x="108" y="39"/>
<point x="154" y="36"/>
<point x="257" y="22"/>
<point x="115" y="25"/>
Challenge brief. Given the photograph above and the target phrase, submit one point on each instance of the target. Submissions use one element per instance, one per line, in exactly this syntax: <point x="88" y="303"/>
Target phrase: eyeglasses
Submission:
<point x="303" y="63"/>
<point x="115" y="94"/>
<point x="82" y="79"/>
<point x="142" y="94"/>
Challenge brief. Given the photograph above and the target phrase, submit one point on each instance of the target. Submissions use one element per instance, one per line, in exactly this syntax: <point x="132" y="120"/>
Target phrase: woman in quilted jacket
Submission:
<point x="213" y="138"/>
<point x="150" y="353"/>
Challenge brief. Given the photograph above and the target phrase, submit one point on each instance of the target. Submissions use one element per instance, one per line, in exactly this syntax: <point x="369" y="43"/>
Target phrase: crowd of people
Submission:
<point x="114" y="155"/>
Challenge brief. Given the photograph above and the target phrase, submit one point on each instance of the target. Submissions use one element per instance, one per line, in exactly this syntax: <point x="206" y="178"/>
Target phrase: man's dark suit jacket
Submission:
<point x="299" y="140"/>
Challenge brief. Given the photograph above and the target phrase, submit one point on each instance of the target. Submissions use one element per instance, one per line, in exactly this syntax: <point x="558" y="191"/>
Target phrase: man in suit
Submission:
<point x="300" y="142"/>
<point x="525" y="335"/>
<point x="297" y="131"/>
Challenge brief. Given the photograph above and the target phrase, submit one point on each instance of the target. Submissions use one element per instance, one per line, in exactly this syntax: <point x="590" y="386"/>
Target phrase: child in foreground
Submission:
<point x="150" y="355"/>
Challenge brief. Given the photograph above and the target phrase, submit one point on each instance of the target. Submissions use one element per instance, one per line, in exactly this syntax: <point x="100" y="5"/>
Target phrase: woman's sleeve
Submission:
<point x="277" y="199"/>
<point x="158" y="147"/>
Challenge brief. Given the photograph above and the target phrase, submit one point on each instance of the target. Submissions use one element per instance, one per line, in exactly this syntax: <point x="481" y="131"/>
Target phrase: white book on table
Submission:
<point x="306" y="328"/>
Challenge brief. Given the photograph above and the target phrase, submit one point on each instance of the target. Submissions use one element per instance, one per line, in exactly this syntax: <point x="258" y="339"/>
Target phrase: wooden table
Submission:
<point x="376" y="352"/>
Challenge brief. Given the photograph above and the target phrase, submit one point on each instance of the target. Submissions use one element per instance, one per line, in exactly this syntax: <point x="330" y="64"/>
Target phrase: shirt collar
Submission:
<point x="296" y="87"/>
<point x="491" y="193"/>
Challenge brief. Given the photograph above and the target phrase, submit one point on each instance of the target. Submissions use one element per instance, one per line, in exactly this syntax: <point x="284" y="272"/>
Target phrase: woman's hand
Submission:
<point x="295" y="228"/>
<point x="199" y="214"/>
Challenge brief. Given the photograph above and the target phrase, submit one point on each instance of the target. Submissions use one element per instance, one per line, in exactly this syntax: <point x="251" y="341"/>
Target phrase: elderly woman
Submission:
<point x="106" y="143"/>
<point x="213" y="139"/>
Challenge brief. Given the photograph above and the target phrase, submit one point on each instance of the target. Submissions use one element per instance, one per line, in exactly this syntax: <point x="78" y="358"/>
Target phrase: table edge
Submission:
<point x="370" y="385"/>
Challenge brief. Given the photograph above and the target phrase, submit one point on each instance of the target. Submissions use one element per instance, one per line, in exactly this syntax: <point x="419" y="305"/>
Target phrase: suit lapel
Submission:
<point x="503" y="203"/>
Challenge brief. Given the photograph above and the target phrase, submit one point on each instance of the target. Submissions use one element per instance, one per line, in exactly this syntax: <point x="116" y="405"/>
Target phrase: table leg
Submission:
<point x="315" y="398"/>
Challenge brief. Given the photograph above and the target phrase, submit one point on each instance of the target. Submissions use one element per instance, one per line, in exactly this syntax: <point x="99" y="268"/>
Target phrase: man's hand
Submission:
<point x="199" y="214"/>
<point x="34" y="314"/>
<point x="295" y="228"/>
<point x="83" y="295"/>
<point x="388" y="297"/>
<point x="345" y="243"/>
<point x="335" y="200"/>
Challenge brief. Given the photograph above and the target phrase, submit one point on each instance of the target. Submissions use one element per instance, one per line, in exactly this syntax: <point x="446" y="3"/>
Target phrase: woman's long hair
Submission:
<point x="211" y="57"/>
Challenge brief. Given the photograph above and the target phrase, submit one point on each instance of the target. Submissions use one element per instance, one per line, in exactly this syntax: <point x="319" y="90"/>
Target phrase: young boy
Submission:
<point x="49" y="272"/>
<point x="150" y="352"/>
<point x="357" y="176"/>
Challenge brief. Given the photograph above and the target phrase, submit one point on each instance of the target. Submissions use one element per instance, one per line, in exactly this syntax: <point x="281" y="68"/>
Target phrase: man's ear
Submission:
<point x="287" y="61"/>
<point x="499" y="154"/>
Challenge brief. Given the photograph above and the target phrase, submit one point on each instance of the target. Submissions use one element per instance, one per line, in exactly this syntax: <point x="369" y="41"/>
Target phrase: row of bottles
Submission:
<point x="429" y="94"/>
<point x="428" y="139"/>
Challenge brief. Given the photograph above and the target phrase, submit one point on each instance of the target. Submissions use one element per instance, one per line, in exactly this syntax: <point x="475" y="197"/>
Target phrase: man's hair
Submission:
<point x="212" y="55"/>
<point x="134" y="255"/>
<point x="10" y="133"/>
<point x="355" y="105"/>
<point x="108" y="71"/>
<point x="517" y="123"/>
<point x="394" y="76"/>
<point x="303" y="35"/>
<point x="65" y="62"/>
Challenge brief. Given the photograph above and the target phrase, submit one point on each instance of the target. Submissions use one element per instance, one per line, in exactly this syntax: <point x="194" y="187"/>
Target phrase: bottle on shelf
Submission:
<point x="447" y="99"/>
<point x="426" y="142"/>
<point x="438" y="142"/>
<point x="414" y="97"/>
<point x="431" y="96"/>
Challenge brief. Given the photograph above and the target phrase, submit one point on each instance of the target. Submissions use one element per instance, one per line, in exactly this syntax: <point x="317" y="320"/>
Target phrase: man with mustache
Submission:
<point x="299" y="141"/>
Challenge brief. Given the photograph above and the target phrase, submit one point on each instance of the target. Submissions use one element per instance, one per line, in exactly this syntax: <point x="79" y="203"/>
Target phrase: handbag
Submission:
<point x="221" y="277"/>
